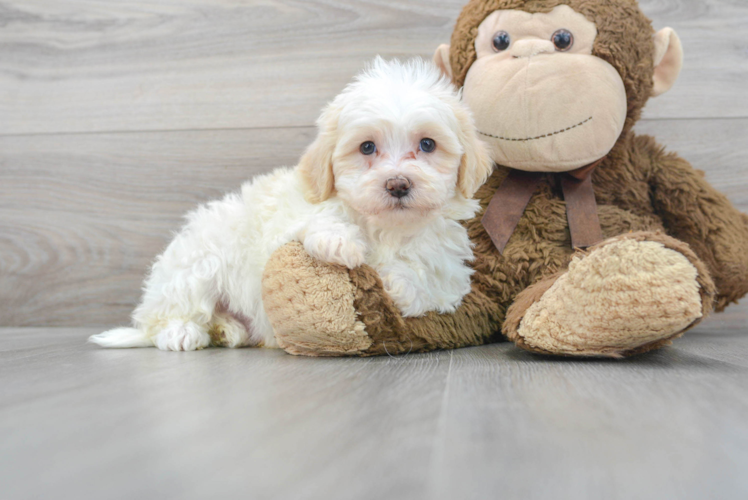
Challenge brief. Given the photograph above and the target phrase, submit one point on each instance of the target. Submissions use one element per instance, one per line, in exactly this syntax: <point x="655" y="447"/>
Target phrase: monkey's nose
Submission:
<point x="398" y="186"/>
<point x="531" y="48"/>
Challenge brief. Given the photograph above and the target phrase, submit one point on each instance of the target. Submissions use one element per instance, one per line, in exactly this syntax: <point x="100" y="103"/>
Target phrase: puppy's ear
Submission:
<point x="315" y="167"/>
<point x="441" y="59"/>
<point x="476" y="165"/>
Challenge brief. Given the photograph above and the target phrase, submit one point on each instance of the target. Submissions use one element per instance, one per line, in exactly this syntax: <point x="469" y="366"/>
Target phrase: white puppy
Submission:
<point x="386" y="182"/>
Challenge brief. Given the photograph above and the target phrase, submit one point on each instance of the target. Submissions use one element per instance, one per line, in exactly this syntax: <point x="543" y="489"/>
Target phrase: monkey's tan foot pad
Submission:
<point x="627" y="295"/>
<point x="311" y="305"/>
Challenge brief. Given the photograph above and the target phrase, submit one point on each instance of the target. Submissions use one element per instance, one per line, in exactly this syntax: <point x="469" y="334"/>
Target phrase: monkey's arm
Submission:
<point x="694" y="212"/>
<point x="323" y="310"/>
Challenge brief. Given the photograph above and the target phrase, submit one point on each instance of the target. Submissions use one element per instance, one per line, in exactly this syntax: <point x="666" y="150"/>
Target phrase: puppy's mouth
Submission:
<point x="410" y="205"/>
<point x="404" y="204"/>
<point x="401" y="206"/>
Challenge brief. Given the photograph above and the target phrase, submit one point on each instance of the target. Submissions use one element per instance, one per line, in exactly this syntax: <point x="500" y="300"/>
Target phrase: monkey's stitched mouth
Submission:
<point x="526" y="139"/>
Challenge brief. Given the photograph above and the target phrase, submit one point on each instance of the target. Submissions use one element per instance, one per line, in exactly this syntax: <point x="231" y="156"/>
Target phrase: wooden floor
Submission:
<point x="488" y="422"/>
<point x="116" y="117"/>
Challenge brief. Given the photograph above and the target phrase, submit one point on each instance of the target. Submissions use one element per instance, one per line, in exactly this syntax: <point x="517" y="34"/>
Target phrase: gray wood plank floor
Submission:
<point x="487" y="422"/>
<point x="116" y="117"/>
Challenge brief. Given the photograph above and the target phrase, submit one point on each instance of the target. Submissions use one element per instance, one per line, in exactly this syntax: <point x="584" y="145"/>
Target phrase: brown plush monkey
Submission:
<point x="556" y="87"/>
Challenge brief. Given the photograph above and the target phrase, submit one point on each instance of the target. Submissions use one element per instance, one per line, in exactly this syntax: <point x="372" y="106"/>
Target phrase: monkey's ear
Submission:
<point x="476" y="164"/>
<point x="668" y="60"/>
<point x="315" y="167"/>
<point x="441" y="59"/>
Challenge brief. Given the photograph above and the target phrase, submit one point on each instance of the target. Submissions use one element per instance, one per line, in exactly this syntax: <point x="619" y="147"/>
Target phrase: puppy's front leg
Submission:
<point x="332" y="240"/>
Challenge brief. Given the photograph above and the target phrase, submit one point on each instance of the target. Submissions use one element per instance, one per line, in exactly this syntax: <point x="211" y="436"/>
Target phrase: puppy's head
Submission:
<point x="395" y="145"/>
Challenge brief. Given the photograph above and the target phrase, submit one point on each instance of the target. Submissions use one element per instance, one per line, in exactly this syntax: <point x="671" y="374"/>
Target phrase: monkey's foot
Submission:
<point x="625" y="296"/>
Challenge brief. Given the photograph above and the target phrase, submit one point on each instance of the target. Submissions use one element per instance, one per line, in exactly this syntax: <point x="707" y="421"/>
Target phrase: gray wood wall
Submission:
<point x="117" y="116"/>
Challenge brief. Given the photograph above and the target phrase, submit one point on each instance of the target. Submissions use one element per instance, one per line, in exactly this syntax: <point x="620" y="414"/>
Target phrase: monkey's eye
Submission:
<point x="563" y="40"/>
<point x="428" y="145"/>
<point x="501" y="41"/>
<point x="368" y="148"/>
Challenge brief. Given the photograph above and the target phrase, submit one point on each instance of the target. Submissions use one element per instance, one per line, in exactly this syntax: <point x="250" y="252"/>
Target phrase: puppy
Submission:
<point x="386" y="182"/>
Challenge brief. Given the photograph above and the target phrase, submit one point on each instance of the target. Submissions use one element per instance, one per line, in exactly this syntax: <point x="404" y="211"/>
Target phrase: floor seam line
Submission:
<point x="438" y="448"/>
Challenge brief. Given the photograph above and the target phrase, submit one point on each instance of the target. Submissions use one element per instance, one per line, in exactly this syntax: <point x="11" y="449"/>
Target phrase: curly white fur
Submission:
<point x="336" y="203"/>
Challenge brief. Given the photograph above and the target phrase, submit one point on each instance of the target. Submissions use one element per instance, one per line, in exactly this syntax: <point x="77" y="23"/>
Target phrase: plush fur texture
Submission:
<point x="630" y="291"/>
<point x="624" y="41"/>
<point x="539" y="109"/>
<point x="652" y="199"/>
<point x="316" y="287"/>
<point x="206" y="287"/>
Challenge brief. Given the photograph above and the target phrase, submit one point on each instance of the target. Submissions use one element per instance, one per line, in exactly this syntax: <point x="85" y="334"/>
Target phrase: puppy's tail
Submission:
<point x="121" y="338"/>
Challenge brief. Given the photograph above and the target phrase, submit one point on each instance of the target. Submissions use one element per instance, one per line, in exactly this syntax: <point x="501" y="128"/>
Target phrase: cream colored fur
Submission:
<point x="317" y="304"/>
<point x="668" y="60"/>
<point x="623" y="295"/>
<point x="207" y="286"/>
<point x="530" y="124"/>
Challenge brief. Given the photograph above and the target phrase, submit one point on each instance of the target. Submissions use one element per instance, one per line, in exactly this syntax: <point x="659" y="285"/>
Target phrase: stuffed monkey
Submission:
<point x="592" y="241"/>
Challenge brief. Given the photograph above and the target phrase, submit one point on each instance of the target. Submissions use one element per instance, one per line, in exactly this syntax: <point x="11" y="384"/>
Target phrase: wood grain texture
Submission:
<point x="489" y="422"/>
<point x="116" y="117"/>
<point x="93" y="65"/>
<point x="83" y="215"/>
<point x="254" y="424"/>
<point x="207" y="94"/>
<point x="596" y="429"/>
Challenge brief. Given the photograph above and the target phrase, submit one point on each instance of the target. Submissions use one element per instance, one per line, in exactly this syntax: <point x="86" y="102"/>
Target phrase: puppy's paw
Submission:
<point x="182" y="336"/>
<point x="228" y="331"/>
<point x="405" y="294"/>
<point x="336" y="248"/>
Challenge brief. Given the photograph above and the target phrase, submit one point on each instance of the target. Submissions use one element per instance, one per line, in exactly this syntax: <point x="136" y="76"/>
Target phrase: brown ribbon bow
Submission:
<point x="511" y="199"/>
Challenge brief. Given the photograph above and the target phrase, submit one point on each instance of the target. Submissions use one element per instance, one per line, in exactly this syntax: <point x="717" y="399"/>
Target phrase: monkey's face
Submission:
<point x="541" y="100"/>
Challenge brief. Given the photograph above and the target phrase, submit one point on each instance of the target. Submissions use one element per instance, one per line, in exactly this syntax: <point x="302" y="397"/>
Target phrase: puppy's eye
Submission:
<point x="428" y="145"/>
<point x="501" y="41"/>
<point x="563" y="40"/>
<point x="368" y="148"/>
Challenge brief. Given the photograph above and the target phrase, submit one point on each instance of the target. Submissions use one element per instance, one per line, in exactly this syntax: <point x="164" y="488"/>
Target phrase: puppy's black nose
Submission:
<point x="398" y="186"/>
